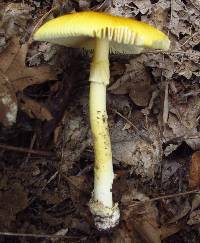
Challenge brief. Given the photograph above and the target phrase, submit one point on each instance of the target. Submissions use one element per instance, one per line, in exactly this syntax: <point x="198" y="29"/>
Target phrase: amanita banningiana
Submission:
<point x="102" y="33"/>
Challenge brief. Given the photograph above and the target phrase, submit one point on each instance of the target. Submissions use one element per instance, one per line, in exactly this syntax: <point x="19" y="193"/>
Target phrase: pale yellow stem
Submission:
<point x="106" y="215"/>
<point x="99" y="78"/>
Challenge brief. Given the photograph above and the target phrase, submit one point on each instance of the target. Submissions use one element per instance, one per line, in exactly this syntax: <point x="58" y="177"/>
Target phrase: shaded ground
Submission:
<point x="46" y="155"/>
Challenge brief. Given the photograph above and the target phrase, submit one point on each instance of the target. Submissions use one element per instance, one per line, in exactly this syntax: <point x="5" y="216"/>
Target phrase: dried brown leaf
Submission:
<point x="123" y="235"/>
<point x="35" y="109"/>
<point x="194" y="217"/>
<point x="77" y="187"/>
<point x="194" y="176"/>
<point x="12" y="201"/>
<point x="148" y="230"/>
<point x="195" y="202"/>
<point x="168" y="230"/>
<point x="132" y="148"/>
<point x="183" y="121"/>
<point x="136" y="82"/>
<point x="142" y="218"/>
<point x="15" y="76"/>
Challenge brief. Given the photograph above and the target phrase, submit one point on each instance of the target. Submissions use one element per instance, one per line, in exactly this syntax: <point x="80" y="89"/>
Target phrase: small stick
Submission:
<point x="166" y="104"/>
<point x="166" y="197"/>
<point x="37" y="235"/>
<point x="189" y="39"/>
<point x="146" y="138"/>
<point x="172" y="52"/>
<point x="26" y="150"/>
<point x="39" y="23"/>
<point x="31" y="147"/>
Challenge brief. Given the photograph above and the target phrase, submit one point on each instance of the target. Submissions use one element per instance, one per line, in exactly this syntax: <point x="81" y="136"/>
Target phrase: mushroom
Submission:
<point x="102" y="33"/>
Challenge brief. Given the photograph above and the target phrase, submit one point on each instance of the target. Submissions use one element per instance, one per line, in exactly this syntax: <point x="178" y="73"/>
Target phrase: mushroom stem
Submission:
<point x="101" y="204"/>
<point x="103" y="169"/>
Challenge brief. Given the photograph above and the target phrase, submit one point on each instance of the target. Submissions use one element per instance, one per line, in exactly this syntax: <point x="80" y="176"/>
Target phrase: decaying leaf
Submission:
<point x="142" y="217"/>
<point x="182" y="211"/>
<point x="194" y="177"/>
<point x="136" y="82"/>
<point x="168" y="230"/>
<point x="35" y="109"/>
<point x="72" y="140"/>
<point x="184" y="18"/>
<point x="194" y="217"/>
<point x="77" y="187"/>
<point x="135" y="150"/>
<point x="15" y="76"/>
<point x="169" y="169"/>
<point x="13" y="19"/>
<point x="195" y="202"/>
<point x="122" y="8"/>
<point x="12" y="201"/>
<point x="124" y="235"/>
<point x="143" y="6"/>
<point x="183" y="121"/>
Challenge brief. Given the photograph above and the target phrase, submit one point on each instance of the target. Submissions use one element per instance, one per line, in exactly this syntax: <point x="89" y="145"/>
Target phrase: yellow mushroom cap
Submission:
<point x="79" y="30"/>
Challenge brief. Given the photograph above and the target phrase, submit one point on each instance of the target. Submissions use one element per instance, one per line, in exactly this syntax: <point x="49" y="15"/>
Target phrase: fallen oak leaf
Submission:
<point x="18" y="73"/>
<point x="15" y="76"/>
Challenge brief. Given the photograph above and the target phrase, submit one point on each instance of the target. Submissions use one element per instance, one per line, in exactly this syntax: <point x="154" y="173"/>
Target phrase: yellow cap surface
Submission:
<point x="79" y="30"/>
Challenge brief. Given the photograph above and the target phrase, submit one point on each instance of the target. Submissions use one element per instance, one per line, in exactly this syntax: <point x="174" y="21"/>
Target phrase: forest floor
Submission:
<point x="46" y="152"/>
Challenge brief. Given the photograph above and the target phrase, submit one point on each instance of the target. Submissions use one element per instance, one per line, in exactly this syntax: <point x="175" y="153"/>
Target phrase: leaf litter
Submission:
<point x="153" y="106"/>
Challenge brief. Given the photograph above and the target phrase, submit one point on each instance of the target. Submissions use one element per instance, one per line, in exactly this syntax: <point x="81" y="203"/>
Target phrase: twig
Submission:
<point x="38" y="235"/>
<point x="189" y="39"/>
<point x="136" y="129"/>
<point x="166" y="197"/>
<point x="31" y="147"/>
<point x="50" y="180"/>
<point x="194" y="4"/>
<point x="87" y="169"/>
<point x="127" y="120"/>
<point x="42" y="189"/>
<point x="172" y="52"/>
<point x="166" y="104"/>
<point x="38" y="24"/>
<point x="171" y="12"/>
<point x="174" y="195"/>
<point x="26" y="150"/>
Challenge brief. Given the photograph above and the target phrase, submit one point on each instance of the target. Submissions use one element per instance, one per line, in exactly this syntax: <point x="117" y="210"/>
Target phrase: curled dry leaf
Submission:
<point x="35" y="109"/>
<point x="124" y="235"/>
<point x="168" y="230"/>
<point x="195" y="202"/>
<point x="194" y="217"/>
<point x="136" y="82"/>
<point x="194" y="176"/>
<point x="183" y="121"/>
<point x="142" y="218"/>
<point x="15" y="76"/>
